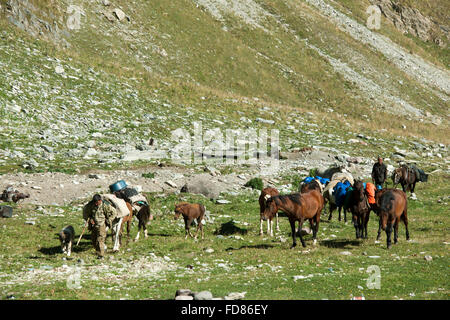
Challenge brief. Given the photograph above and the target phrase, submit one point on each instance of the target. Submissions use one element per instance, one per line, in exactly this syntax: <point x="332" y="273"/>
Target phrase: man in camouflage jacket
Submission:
<point x="100" y="214"/>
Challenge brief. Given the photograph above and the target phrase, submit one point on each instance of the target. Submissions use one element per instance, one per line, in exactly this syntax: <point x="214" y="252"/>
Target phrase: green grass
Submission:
<point x="264" y="267"/>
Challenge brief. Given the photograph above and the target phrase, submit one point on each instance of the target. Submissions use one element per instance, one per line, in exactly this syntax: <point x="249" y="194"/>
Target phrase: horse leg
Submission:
<point x="405" y="220"/>
<point x="331" y="209"/>
<point x="189" y="226"/>
<point x="366" y="222"/>
<point x="294" y="243"/>
<point x="276" y="222"/>
<point x="261" y="227"/>
<point x="379" y="230"/>
<point x="186" y="228"/>
<point x="139" y="230"/>
<point x="300" y="228"/>
<point x="396" y="231"/>
<point x="269" y="229"/>
<point x="388" y="234"/>
<point x="340" y="209"/>
<point x="316" y="229"/>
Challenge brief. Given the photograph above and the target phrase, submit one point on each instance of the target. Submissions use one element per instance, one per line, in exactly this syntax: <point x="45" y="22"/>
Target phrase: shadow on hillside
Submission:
<point x="229" y="228"/>
<point x="339" y="243"/>
<point x="256" y="246"/>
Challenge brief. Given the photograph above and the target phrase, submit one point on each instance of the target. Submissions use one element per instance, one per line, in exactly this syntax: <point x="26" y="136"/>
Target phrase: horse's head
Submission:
<point x="178" y="210"/>
<point x="396" y="175"/>
<point x="270" y="209"/>
<point x="358" y="188"/>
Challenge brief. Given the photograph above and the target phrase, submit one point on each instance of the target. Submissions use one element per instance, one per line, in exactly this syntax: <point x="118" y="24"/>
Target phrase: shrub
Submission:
<point x="255" y="183"/>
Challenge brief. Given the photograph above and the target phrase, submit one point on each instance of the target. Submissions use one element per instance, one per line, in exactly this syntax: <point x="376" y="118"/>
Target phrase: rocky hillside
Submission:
<point x="102" y="84"/>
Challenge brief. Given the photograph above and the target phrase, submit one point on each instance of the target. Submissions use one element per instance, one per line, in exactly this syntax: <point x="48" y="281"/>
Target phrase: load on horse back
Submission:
<point x="408" y="176"/>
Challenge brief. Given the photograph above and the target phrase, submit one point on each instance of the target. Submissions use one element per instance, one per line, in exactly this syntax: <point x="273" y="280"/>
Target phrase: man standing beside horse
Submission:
<point x="100" y="214"/>
<point x="379" y="173"/>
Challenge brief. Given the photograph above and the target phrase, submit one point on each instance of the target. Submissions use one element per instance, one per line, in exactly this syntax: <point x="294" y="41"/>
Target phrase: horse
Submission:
<point x="191" y="211"/>
<point x="266" y="193"/>
<point x="117" y="227"/>
<point x="297" y="207"/>
<point x="406" y="177"/>
<point x="141" y="210"/>
<point x="393" y="206"/>
<point x="360" y="209"/>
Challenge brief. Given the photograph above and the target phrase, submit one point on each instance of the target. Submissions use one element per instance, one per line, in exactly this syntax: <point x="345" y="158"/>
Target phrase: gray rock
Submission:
<point x="186" y="298"/>
<point x="203" y="295"/>
<point x="119" y="14"/>
<point x="184" y="292"/>
<point x="202" y="184"/>
<point x="428" y="258"/>
<point x="235" y="296"/>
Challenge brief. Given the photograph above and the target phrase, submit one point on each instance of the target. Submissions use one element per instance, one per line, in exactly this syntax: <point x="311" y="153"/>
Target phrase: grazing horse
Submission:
<point x="360" y="209"/>
<point x="393" y="206"/>
<point x="190" y="211"/>
<point x="266" y="193"/>
<point x="297" y="207"/>
<point x="117" y="228"/>
<point x="406" y="177"/>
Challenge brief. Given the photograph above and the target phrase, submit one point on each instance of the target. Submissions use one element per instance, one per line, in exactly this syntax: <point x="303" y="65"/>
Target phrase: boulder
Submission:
<point x="202" y="184"/>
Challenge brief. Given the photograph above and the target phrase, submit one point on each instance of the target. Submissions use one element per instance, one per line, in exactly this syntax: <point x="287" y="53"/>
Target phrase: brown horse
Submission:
<point x="360" y="209"/>
<point x="393" y="207"/>
<point x="191" y="212"/>
<point x="297" y="207"/>
<point x="266" y="193"/>
<point x="406" y="177"/>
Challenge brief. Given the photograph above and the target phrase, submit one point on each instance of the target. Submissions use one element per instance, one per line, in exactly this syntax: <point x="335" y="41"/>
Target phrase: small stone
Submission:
<point x="203" y="295"/>
<point x="209" y="250"/>
<point x="183" y="292"/>
<point x="428" y="258"/>
<point x="184" y="298"/>
<point x="346" y="253"/>
<point x="235" y="296"/>
<point x="222" y="201"/>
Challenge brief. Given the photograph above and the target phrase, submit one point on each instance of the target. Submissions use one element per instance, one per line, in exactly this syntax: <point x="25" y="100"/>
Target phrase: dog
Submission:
<point x="66" y="237"/>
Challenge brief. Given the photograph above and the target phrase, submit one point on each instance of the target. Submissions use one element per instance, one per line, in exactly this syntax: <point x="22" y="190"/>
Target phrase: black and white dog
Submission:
<point x="66" y="237"/>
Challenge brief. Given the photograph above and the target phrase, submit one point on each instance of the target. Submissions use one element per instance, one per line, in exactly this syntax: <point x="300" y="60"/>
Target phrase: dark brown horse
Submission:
<point x="393" y="207"/>
<point x="298" y="207"/>
<point x="406" y="177"/>
<point x="360" y="209"/>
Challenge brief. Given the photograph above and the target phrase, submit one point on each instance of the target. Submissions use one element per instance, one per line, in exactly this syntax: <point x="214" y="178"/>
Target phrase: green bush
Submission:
<point x="255" y="183"/>
<point x="149" y="175"/>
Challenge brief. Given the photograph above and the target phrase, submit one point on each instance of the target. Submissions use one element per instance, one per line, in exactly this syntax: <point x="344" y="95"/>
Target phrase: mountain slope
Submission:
<point x="168" y="63"/>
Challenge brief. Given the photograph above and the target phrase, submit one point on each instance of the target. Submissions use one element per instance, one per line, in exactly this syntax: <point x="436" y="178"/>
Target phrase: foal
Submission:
<point x="298" y="207"/>
<point x="190" y="211"/>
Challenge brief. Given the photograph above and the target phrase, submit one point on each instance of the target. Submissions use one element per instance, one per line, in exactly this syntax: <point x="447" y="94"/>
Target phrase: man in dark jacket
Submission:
<point x="379" y="173"/>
